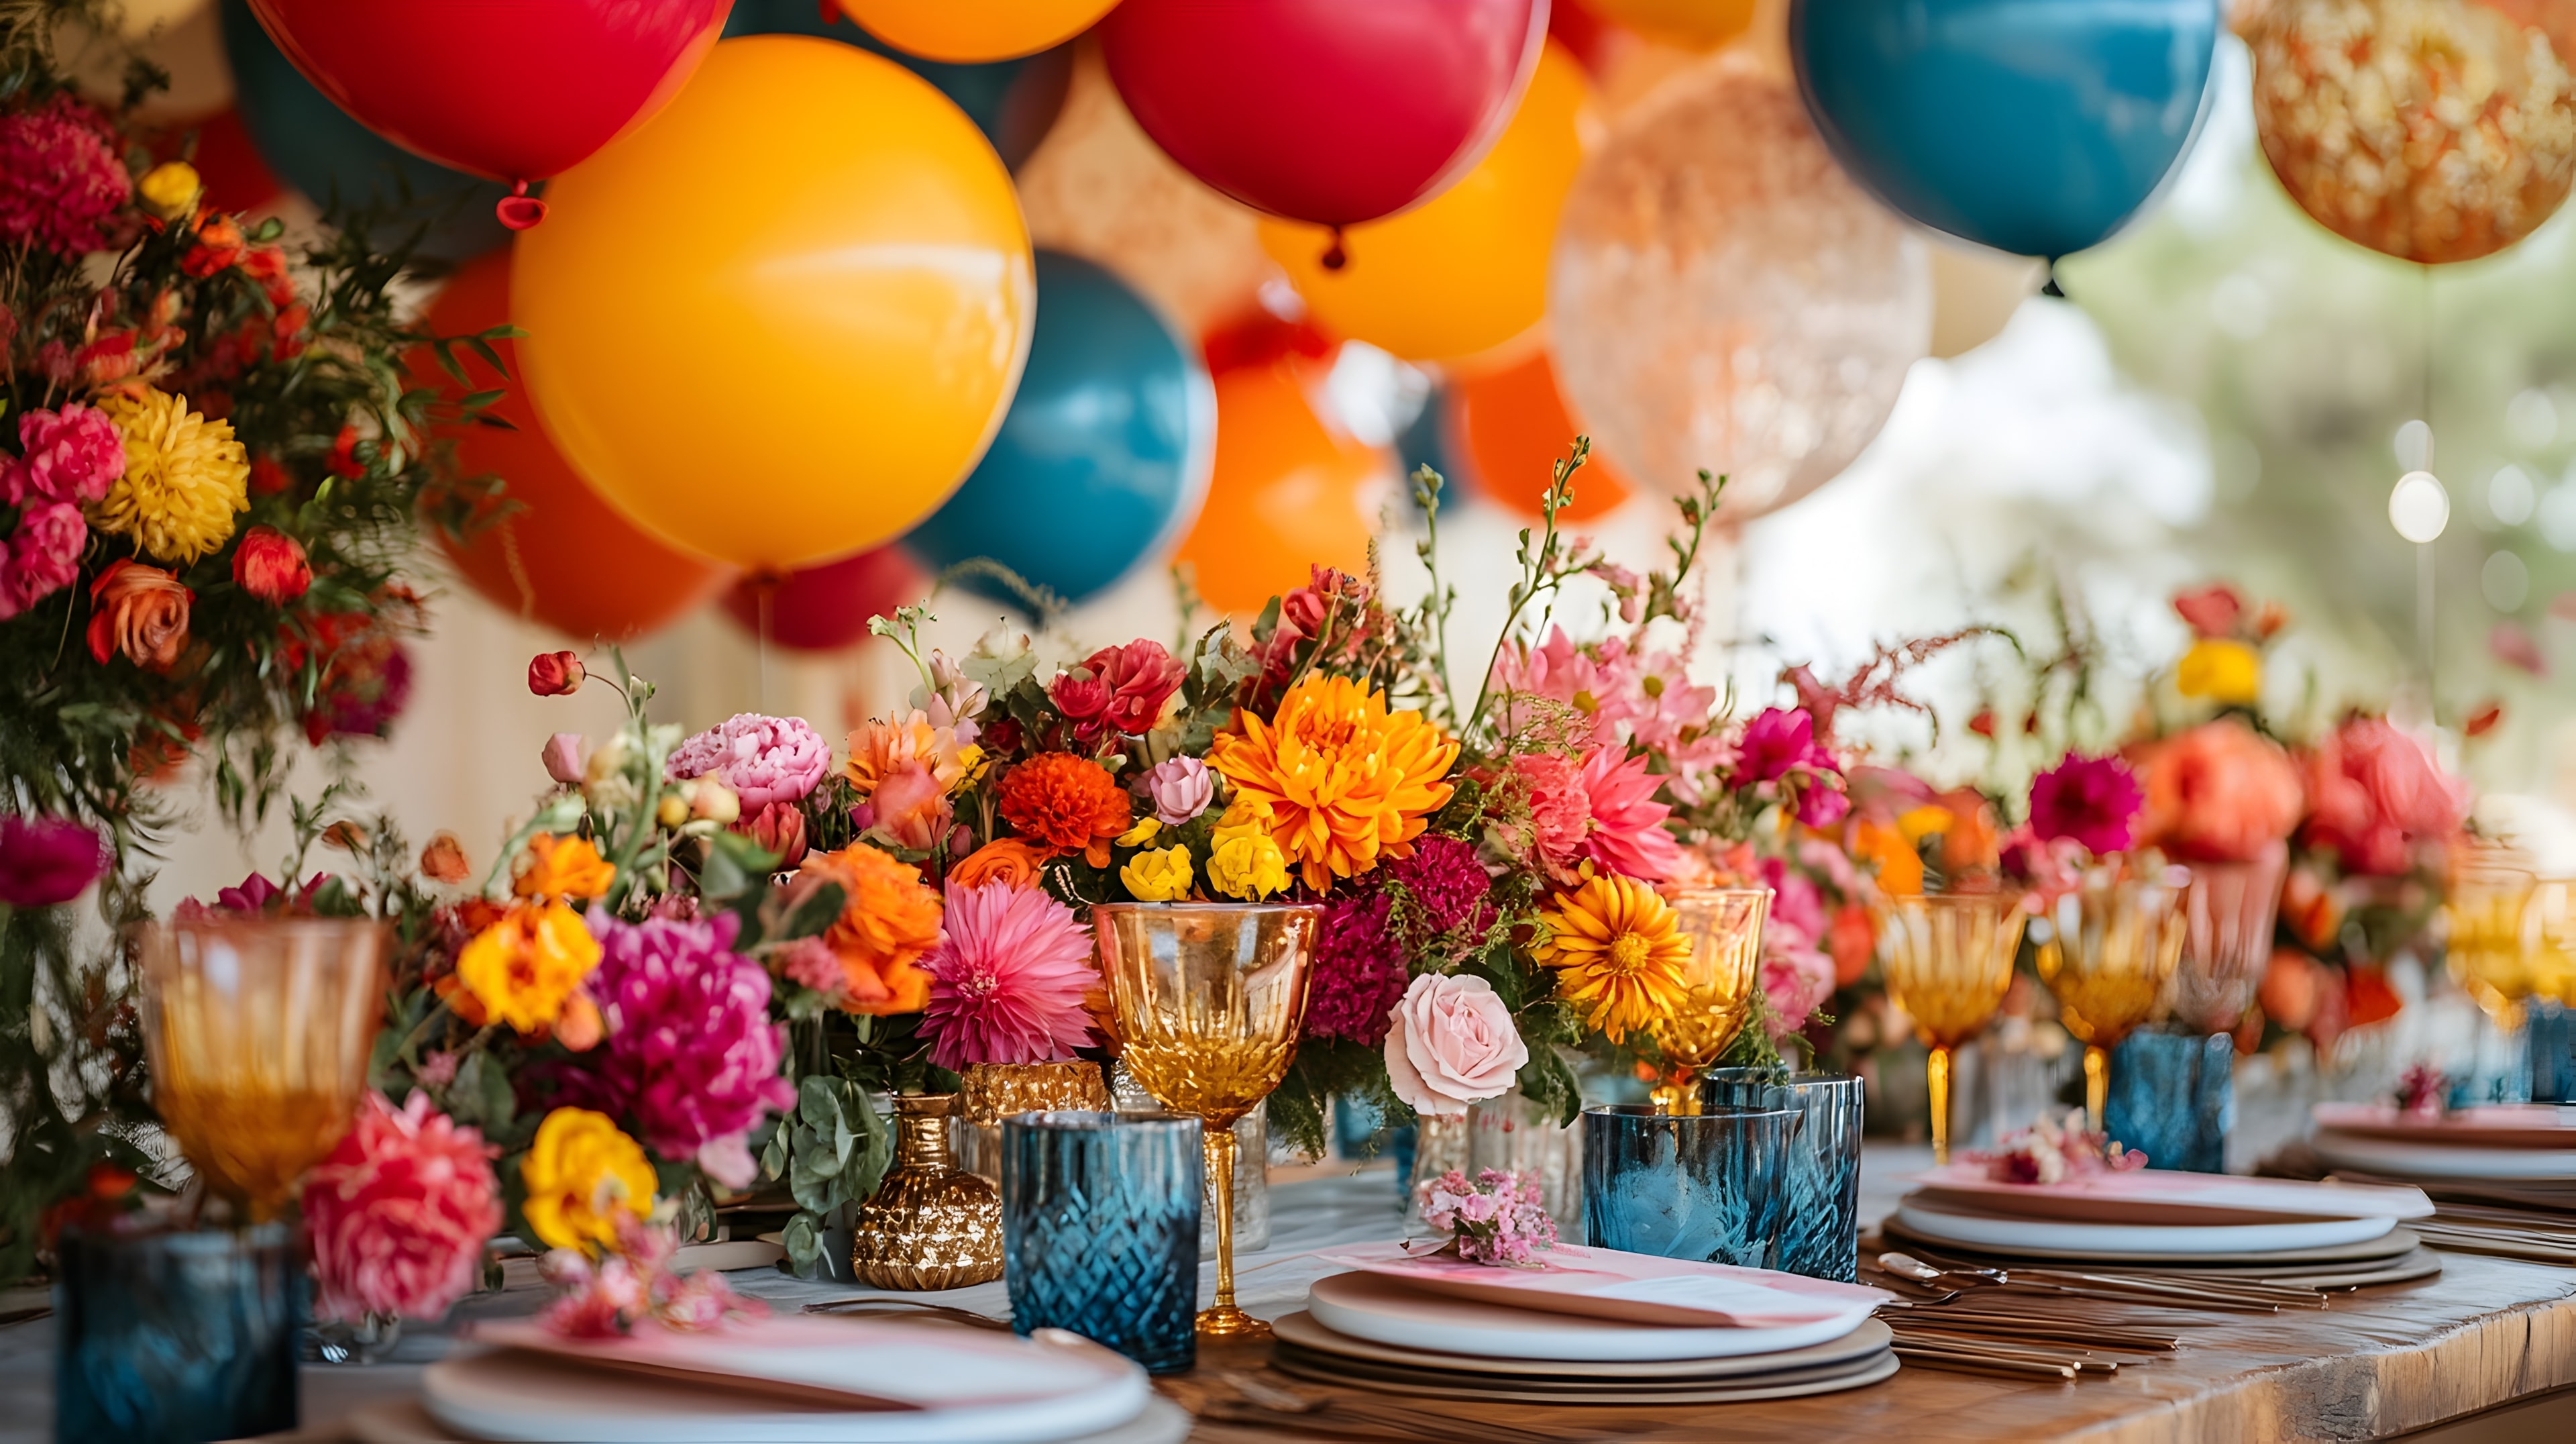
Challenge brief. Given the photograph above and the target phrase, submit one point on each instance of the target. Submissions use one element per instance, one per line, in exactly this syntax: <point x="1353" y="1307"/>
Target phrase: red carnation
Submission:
<point x="270" y="565"/>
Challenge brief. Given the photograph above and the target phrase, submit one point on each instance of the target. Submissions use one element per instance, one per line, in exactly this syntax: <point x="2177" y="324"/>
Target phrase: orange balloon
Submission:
<point x="1512" y="426"/>
<point x="1289" y="489"/>
<point x="562" y="557"/>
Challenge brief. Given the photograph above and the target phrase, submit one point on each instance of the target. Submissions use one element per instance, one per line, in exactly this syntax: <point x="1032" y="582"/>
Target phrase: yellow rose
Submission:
<point x="1143" y="832"/>
<point x="2222" y="670"/>
<point x="1163" y="876"/>
<point x="171" y="189"/>
<point x="523" y="968"/>
<point x="582" y="1173"/>
<point x="1248" y="865"/>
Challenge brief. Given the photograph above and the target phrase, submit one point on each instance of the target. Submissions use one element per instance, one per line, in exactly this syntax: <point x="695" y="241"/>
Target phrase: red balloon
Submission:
<point x="1331" y="112"/>
<point x="826" y="608"/>
<point x="517" y="90"/>
<point x="563" y="558"/>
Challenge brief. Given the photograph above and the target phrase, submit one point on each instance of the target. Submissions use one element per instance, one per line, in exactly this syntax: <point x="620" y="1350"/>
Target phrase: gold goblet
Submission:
<point x="1948" y="959"/>
<point x="258" y="1030"/>
<point x="2110" y="950"/>
<point x="1209" y="999"/>
<point x="1725" y="928"/>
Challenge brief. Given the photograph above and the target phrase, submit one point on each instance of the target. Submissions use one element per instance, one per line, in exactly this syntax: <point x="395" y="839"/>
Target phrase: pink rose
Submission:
<point x="1181" y="788"/>
<point x="562" y="756"/>
<point x="1453" y="1044"/>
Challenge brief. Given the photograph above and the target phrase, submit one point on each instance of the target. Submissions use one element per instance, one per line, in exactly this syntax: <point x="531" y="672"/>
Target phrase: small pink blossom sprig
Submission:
<point x="1498" y="1219"/>
<point x="2422" y="1092"/>
<point x="2052" y="1152"/>
<point x="596" y="1299"/>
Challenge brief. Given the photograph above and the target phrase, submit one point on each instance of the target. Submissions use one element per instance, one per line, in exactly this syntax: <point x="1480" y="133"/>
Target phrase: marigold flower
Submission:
<point x="565" y="867"/>
<point x="1164" y="876"/>
<point x="2221" y="670"/>
<point x="1004" y="859"/>
<point x="184" y="478"/>
<point x="1618" y="952"/>
<point x="1066" y="804"/>
<point x="582" y="1175"/>
<point x="140" y="611"/>
<point x="1348" y="782"/>
<point x="889" y="919"/>
<point x="271" y="566"/>
<point x="522" y="969"/>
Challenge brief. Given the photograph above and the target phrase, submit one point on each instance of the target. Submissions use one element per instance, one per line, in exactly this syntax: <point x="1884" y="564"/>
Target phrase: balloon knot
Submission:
<point x="2052" y="288"/>
<point x="1334" y="256"/>
<point x="519" y="210"/>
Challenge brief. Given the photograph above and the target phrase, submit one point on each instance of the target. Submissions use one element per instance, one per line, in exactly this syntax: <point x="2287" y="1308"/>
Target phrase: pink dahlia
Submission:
<point x="44" y="556"/>
<point x="60" y="180"/>
<point x="1359" y="971"/>
<point x="47" y="860"/>
<point x="399" y="1213"/>
<point x="763" y="759"/>
<point x="1007" y="979"/>
<point x="71" y="455"/>
<point x="1627" y="833"/>
<point x="689" y="1051"/>
<point x="2094" y="801"/>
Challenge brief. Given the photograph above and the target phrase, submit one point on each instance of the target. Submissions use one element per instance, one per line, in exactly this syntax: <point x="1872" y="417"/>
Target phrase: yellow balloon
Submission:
<point x="778" y="322"/>
<point x="1466" y="270"/>
<point x="1699" y="24"/>
<point x="972" y="30"/>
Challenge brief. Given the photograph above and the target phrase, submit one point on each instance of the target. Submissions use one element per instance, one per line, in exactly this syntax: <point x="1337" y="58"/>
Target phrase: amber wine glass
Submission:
<point x="258" y="1031"/>
<point x="1724" y="925"/>
<point x="2108" y="953"/>
<point x="1948" y="958"/>
<point x="1208" y="999"/>
<point x="2495" y="937"/>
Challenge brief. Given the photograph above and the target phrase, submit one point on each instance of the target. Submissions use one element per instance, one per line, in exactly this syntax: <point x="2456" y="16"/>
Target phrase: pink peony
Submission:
<point x="1181" y="789"/>
<point x="689" y="1050"/>
<point x="61" y="183"/>
<point x="2375" y="793"/>
<point x="1007" y="979"/>
<point x="1626" y="832"/>
<point x="2094" y="801"/>
<point x="763" y="759"/>
<point x="47" y="860"/>
<point x="44" y="556"/>
<point x="1453" y="1043"/>
<point x="1359" y="971"/>
<point x="71" y="455"/>
<point x="398" y="1214"/>
<point x="1777" y="743"/>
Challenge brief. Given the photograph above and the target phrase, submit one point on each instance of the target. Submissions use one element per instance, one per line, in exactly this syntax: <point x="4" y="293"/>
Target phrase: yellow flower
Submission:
<point x="2222" y="670"/>
<point x="1618" y="952"/>
<point x="524" y="967"/>
<point x="1921" y="822"/>
<point x="567" y="867"/>
<point x="1248" y="865"/>
<point x="171" y="189"/>
<point x="1348" y="783"/>
<point x="581" y="1174"/>
<point x="1142" y="833"/>
<point x="184" y="478"/>
<point x="1163" y="876"/>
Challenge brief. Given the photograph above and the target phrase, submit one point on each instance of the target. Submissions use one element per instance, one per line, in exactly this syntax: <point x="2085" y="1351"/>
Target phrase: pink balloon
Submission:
<point x="1326" y="111"/>
<point x="826" y="608"/>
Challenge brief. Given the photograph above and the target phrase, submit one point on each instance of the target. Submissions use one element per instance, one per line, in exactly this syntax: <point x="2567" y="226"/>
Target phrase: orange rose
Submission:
<point x="1066" y="804"/>
<point x="1005" y="859"/>
<point x="889" y="919"/>
<point x="140" y="611"/>
<point x="2217" y="793"/>
<point x="563" y="868"/>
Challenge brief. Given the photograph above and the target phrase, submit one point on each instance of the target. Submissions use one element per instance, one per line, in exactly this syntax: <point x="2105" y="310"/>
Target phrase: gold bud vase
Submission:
<point x="995" y="1091"/>
<point x="929" y="1225"/>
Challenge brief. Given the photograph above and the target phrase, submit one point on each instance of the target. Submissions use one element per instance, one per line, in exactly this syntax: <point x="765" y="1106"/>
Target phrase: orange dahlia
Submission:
<point x="1348" y="783"/>
<point x="889" y="919"/>
<point x="1065" y="803"/>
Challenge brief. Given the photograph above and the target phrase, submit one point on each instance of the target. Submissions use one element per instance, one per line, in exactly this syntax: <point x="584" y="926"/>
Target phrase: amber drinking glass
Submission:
<point x="1948" y="959"/>
<point x="2108" y="955"/>
<point x="258" y="1031"/>
<point x="1208" y="1000"/>
<point x="1725" y="928"/>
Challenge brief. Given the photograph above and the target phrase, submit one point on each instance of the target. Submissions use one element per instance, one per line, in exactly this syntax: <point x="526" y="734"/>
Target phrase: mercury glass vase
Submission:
<point x="1705" y="1186"/>
<point x="991" y="1092"/>
<point x="1100" y="1230"/>
<point x="172" y="1338"/>
<point x="1820" y="1180"/>
<point x="930" y="1225"/>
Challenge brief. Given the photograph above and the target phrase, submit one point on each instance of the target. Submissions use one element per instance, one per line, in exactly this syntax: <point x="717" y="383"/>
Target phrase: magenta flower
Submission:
<point x="763" y="759"/>
<point x="72" y="455"/>
<point x="61" y="183"/>
<point x="1797" y="978"/>
<point x="1359" y="971"/>
<point x="47" y="860"/>
<point x="399" y="1213"/>
<point x="1181" y="789"/>
<point x="44" y="556"/>
<point x="2094" y="801"/>
<point x="1778" y="742"/>
<point x="688" y="1049"/>
<point x="1007" y="979"/>
<point x="1447" y="883"/>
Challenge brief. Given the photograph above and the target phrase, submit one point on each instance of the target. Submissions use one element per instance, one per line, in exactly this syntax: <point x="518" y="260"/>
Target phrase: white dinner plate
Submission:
<point x="1380" y="1310"/>
<point x="1999" y="1232"/>
<point x="2442" y="1160"/>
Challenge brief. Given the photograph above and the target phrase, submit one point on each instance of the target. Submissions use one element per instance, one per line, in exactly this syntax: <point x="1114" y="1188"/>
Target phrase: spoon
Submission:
<point x="1907" y="1265"/>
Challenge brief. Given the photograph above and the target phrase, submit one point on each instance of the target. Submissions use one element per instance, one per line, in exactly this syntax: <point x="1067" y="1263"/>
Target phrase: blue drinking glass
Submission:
<point x="1100" y="1230"/>
<point x="2173" y="1098"/>
<point x="2551" y="1026"/>
<point x="1820" y="1185"/>
<point x="173" y="1338"/>
<point x="1705" y="1186"/>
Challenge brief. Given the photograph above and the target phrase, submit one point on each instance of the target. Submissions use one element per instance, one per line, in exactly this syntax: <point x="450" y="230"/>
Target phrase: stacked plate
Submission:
<point x="2153" y="1219"/>
<point x="2526" y="1149"/>
<point x="1586" y="1326"/>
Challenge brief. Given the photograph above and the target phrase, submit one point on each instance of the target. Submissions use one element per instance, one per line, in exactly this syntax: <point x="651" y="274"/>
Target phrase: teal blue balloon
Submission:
<point x="340" y="165"/>
<point x="1103" y="458"/>
<point x="1012" y="101"/>
<point x="2037" y="127"/>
